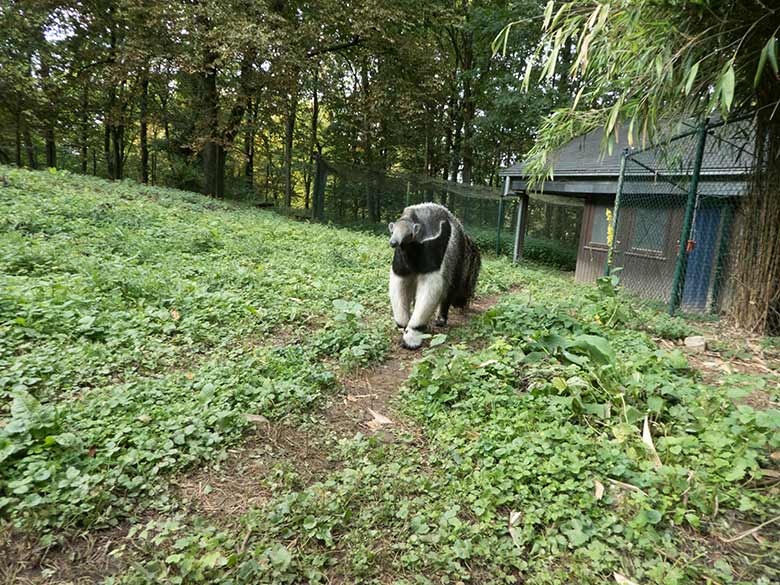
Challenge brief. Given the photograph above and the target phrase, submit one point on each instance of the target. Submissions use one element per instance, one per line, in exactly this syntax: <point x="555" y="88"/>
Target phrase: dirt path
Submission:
<point x="225" y="490"/>
<point x="370" y="393"/>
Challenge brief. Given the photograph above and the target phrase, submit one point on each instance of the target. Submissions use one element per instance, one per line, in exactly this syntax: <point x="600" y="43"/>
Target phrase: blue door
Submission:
<point x="697" y="276"/>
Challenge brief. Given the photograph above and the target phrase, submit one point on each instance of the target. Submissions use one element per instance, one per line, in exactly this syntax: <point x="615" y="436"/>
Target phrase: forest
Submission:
<point x="235" y="99"/>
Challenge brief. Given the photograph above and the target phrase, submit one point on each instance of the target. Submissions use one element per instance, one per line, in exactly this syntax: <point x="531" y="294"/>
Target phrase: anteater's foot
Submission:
<point x="440" y="322"/>
<point x="412" y="339"/>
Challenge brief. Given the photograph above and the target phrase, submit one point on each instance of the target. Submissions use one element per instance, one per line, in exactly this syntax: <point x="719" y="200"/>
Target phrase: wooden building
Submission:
<point x="655" y="191"/>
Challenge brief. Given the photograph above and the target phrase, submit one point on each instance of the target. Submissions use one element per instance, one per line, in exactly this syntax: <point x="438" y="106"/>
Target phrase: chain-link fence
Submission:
<point x="676" y="214"/>
<point x="366" y="199"/>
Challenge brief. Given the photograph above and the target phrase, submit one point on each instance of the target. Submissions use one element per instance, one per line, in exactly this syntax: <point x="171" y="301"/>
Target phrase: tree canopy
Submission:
<point x="651" y="64"/>
<point x="234" y="98"/>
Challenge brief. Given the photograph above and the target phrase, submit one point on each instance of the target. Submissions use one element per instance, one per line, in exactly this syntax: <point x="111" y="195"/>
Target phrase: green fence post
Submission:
<point x="615" y="211"/>
<point x="501" y="216"/>
<point x="682" y="256"/>
<point x="498" y="227"/>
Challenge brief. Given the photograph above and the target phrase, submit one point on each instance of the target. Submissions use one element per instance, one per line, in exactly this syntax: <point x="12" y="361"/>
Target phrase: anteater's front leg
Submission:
<point x="402" y="289"/>
<point x="429" y="294"/>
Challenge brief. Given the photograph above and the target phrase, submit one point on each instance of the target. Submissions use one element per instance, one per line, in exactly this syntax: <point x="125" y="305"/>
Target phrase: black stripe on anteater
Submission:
<point x="422" y="258"/>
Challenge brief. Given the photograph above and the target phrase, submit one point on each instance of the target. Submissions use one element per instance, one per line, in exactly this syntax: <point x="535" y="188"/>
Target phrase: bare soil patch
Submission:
<point x="369" y="393"/>
<point x="80" y="559"/>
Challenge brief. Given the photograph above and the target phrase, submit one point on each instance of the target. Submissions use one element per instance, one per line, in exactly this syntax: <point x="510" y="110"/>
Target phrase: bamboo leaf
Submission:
<point x="727" y="87"/>
<point x="558" y="14"/>
<point x="503" y="35"/>
<point x="772" y="53"/>
<point x="553" y="59"/>
<point x="691" y="77"/>
<point x="548" y="14"/>
<point x="582" y="58"/>
<point x="631" y="131"/>
<point x="613" y="115"/>
<point x="577" y="98"/>
<point x="593" y="16"/>
<point x="529" y="65"/>
<point x="761" y="64"/>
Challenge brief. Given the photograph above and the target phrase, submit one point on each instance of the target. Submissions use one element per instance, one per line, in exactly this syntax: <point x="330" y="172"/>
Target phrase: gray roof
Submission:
<point x="728" y="151"/>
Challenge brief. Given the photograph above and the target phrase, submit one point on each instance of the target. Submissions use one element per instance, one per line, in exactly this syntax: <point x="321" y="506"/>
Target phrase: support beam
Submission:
<point x="521" y="227"/>
<point x="501" y="216"/>
<point x="612" y="241"/>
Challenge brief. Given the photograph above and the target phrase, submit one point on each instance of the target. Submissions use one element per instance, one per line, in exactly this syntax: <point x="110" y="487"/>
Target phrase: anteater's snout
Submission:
<point x="393" y="243"/>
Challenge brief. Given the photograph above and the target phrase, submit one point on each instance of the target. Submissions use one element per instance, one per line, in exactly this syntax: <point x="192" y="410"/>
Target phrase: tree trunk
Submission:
<point x="49" y="115"/>
<point x="143" y="139"/>
<point x="29" y="145"/>
<point x="456" y="147"/>
<point x="118" y="142"/>
<point x="315" y="114"/>
<point x="107" y="149"/>
<point x="249" y="147"/>
<point x="84" y="123"/>
<point x="468" y="108"/>
<point x="756" y="280"/>
<point x="289" y="130"/>
<point x="212" y="148"/>
<point x="18" y="140"/>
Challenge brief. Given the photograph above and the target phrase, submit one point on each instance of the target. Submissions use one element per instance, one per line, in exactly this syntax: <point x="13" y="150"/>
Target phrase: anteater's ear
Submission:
<point x="391" y="226"/>
<point x="416" y="229"/>
<point x="428" y="231"/>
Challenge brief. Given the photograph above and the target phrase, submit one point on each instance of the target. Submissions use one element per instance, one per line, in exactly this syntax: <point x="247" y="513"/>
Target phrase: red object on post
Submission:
<point x="690" y="245"/>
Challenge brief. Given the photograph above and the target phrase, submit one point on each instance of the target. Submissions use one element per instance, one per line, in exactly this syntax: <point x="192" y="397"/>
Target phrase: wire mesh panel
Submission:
<point x="367" y="199"/>
<point x="675" y="215"/>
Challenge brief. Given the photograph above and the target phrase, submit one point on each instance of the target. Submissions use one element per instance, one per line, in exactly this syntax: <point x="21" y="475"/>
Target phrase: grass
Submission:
<point x="140" y="326"/>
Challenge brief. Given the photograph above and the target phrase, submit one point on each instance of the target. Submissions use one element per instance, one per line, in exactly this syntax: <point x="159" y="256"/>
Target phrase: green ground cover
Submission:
<point x="139" y="326"/>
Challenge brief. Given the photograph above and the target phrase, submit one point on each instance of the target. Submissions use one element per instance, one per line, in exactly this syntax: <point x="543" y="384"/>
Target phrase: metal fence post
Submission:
<point x="520" y="228"/>
<point x="501" y="216"/>
<point x="615" y="212"/>
<point x="682" y="256"/>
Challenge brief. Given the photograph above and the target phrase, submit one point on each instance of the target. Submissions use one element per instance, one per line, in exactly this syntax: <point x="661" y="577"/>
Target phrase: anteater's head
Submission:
<point x="403" y="231"/>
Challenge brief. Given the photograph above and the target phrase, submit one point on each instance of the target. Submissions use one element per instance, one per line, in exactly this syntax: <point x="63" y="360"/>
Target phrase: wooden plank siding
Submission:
<point x="591" y="256"/>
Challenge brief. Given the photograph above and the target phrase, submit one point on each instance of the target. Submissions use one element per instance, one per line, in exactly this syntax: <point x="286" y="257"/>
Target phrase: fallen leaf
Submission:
<point x="351" y="398"/>
<point x="175" y="315"/>
<point x="256" y="418"/>
<point x="91" y="451"/>
<point x="623" y="580"/>
<point x="378" y="420"/>
<point x="599" y="489"/>
<point x="770" y="473"/>
<point x="189" y="375"/>
<point x="514" y="532"/>
<point x="775" y="456"/>
<point x="487" y="363"/>
<point x="647" y="439"/>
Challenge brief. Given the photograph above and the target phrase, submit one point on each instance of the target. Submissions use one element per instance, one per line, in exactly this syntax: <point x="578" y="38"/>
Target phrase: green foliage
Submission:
<point x="138" y="327"/>
<point x="534" y="470"/>
<point x="650" y="65"/>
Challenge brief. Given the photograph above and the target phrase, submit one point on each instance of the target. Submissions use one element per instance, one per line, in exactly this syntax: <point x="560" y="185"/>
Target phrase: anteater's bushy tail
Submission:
<point x="467" y="286"/>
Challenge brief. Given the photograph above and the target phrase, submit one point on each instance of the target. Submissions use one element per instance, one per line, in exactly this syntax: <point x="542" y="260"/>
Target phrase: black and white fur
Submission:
<point x="435" y="266"/>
